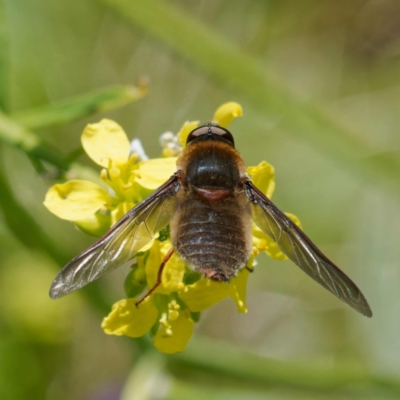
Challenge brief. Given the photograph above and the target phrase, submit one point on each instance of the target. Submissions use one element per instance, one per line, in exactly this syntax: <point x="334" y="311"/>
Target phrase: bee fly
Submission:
<point x="210" y="205"/>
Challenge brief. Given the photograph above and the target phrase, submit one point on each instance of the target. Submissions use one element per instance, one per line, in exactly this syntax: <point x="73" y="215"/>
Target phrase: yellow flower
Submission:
<point x="226" y="113"/>
<point x="172" y="306"/>
<point x="93" y="208"/>
<point x="205" y="293"/>
<point x="171" y="311"/>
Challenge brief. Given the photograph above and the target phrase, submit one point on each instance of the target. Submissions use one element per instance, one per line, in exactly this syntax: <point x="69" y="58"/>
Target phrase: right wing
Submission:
<point x="297" y="246"/>
<point x="122" y="242"/>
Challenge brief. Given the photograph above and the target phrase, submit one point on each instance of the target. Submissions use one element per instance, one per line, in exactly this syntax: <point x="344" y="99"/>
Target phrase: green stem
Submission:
<point x="74" y="108"/>
<point x="17" y="136"/>
<point x="224" y="360"/>
<point x="229" y="66"/>
<point x="15" y="131"/>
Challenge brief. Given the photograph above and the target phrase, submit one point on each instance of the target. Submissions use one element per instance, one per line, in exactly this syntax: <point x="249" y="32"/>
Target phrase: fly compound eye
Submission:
<point x="211" y="132"/>
<point x="224" y="134"/>
<point x="202" y="130"/>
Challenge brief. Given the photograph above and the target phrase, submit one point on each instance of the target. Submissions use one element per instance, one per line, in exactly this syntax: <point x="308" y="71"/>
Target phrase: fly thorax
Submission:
<point x="212" y="167"/>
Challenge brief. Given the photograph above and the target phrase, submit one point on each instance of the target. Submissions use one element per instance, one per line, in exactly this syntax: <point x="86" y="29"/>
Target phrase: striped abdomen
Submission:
<point x="213" y="237"/>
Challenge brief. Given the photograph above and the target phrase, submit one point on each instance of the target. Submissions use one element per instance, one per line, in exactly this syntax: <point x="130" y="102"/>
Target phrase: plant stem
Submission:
<point x="17" y="136"/>
<point x="224" y="360"/>
<point x="231" y="67"/>
<point x="15" y="131"/>
<point x="74" y="108"/>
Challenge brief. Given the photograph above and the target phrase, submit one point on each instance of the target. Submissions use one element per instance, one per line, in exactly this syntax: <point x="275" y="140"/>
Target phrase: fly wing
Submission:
<point x="296" y="245"/>
<point x="121" y="243"/>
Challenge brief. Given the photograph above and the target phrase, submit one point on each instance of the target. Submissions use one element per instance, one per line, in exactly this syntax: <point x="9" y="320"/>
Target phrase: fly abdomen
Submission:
<point x="214" y="238"/>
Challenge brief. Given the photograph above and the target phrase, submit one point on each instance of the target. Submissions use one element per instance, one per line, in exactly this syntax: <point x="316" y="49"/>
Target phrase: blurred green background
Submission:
<point x="320" y="86"/>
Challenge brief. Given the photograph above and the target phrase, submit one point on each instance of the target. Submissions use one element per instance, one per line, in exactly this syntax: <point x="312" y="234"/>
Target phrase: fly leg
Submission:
<point x="160" y="271"/>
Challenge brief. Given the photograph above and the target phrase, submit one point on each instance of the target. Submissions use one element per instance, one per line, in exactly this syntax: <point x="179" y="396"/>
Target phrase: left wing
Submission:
<point x="296" y="245"/>
<point x="121" y="243"/>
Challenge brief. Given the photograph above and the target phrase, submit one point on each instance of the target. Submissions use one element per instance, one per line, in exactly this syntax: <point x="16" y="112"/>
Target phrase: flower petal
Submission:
<point x="237" y="289"/>
<point x="95" y="225"/>
<point x="76" y="200"/>
<point x="294" y="218"/>
<point x="119" y="211"/>
<point x="151" y="174"/>
<point x="174" y="336"/>
<point x="187" y="127"/>
<point x="106" y="141"/>
<point x="204" y="294"/>
<point x="274" y="251"/>
<point x="174" y="269"/>
<point x="227" y="112"/>
<point x="127" y="319"/>
<point x="263" y="176"/>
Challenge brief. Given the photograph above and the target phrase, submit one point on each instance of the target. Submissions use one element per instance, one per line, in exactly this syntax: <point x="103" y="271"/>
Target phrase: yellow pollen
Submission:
<point x="173" y="305"/>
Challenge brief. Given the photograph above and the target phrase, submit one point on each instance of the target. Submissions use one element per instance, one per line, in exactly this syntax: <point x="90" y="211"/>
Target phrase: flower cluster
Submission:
<point x="170" y="312"/>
